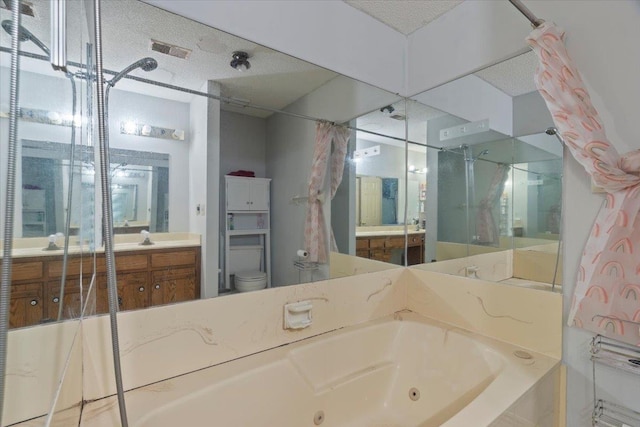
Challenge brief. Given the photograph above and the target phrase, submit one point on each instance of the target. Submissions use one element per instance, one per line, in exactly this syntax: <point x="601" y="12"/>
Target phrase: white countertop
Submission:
<point x="33" y="247"/>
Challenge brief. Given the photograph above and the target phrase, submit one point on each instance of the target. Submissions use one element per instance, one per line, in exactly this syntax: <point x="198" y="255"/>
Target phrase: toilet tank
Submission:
<point x="245" y="258"/>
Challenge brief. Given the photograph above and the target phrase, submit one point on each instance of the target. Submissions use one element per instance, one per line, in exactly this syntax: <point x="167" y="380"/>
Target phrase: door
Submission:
<point x="238" y="194"/>
<point x="370" y="200"/>
<point x="26" y="305"/>
<point x="174" y="285"/>
<point x="259" y="195"/>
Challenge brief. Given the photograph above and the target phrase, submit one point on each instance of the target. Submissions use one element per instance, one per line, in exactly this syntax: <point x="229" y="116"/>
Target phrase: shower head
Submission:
<point x="554" y="131"/>
<point x="146" y="64"/>
<point x="24" y="35"/>
<point x="480" y="154"/>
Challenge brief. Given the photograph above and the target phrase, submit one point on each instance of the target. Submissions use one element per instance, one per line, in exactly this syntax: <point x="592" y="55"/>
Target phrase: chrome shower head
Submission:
<point x="146" y="64"/>
<point x="554" y="131"/>
<point x="24" y="35"/>
<point x="482" y="153"/>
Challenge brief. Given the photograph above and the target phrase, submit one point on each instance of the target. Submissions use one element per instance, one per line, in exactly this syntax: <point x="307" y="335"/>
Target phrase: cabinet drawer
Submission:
<point x="26" y="270"/>
<point x="173" y="273"/>
<point x="124" y="263"/>
<point x="377" y="243"/>
<point x="74" y="266"/>
<point x="173" y="258"/>
<point x="362" y="243"/>
<point x="416" y="240"/>
<point x="395" y="243"/>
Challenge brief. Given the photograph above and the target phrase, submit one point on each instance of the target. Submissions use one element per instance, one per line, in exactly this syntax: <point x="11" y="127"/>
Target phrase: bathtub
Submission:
<point x="399" y="371"/>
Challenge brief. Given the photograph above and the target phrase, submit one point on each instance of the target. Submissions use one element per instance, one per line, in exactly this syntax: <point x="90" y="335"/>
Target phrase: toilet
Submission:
<point x="246" y="281"/>
<point x="245" y="262"/>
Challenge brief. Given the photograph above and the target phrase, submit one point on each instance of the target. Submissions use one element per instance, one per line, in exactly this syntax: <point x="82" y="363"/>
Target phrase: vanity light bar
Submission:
<point x="470" y="128"/>
<point x="45" y="117"/>
<point x="141" y="129"/>
<point x="366" y="152"/>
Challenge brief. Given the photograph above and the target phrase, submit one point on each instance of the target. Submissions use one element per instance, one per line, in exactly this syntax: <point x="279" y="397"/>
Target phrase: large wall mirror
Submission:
<point x="172" y="148"/>
<point x="494" y="180"/>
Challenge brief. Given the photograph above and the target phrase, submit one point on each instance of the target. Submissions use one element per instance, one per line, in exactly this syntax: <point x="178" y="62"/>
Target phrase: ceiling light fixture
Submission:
<point x="240" y="61"/>
<point x="387" y="111"/>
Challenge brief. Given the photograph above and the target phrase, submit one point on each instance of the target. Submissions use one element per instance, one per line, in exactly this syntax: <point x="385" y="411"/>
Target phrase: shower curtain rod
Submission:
<point x="535" y="22"/>
<point x="224" y="99"/>
<point x="242" y="103"/>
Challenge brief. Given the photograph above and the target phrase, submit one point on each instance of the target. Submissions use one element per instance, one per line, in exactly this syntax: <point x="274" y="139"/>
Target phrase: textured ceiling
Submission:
<point x="417" y="113"/>
<point x="274" y="80"/>
<point x="405" y="16"/>
<point x="513" y="76"/>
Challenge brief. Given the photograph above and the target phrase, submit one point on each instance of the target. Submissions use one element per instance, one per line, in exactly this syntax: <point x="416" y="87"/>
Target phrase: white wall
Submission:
<point x="602" y="39"/>
<point x="472" y="99"/>
<point x="243" y="143"/>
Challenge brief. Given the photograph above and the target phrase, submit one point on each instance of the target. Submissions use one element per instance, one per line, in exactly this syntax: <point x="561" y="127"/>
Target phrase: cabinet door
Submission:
<point x="173" y="285"/>
<point x="133" y="292"/>
<point x="259" y="195"/>
<point x="26" y="307"/>
<point x="238" y="194"/>
<point x="72" y="301"/>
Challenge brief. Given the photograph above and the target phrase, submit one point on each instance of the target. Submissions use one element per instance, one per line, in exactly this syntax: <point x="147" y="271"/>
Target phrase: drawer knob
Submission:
<point x="56" y="300"/>
<point x="141" y="289"/>
<point x="34" y="302"/>
<point x="157" y="286"/>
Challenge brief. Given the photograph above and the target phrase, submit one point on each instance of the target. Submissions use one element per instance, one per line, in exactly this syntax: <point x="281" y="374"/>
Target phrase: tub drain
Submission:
<point x="414" y="394"/>
<point x="318" y="418"/>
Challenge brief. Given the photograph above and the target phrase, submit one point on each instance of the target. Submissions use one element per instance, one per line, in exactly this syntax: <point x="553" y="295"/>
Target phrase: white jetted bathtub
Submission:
<point x="400" y="371"/>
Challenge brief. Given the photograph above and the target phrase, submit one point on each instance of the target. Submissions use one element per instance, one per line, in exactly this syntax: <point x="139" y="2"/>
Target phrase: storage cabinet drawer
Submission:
<point x="362" y="243"/>
<point x="26" y="270"/>
<point x="173" y="258"/>
<point x="395" y="243"/>
<point x="377" y="243"/>
<point x="416" y="240"/>
<point x="74" y="266"/>
<point x="124" y="263"/>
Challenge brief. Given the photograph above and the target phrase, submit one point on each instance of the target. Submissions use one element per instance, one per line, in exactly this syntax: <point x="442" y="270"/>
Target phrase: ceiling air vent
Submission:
<point x="26" y="8"/>
<point x="169" y="49"/>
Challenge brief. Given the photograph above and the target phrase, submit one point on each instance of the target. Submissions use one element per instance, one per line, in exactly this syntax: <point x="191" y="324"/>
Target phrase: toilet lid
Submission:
<point x="250" y="275"/>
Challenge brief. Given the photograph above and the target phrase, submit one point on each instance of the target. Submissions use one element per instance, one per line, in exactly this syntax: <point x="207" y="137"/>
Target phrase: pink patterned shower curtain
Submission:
<point x="486" y="227"/>
<point x="315" y="240"/>
<point x="607" y="294"/>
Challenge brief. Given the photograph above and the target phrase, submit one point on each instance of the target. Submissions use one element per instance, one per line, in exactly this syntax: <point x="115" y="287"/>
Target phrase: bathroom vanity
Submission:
<point x="379" y="244"/>
<point x="163" y="273"/>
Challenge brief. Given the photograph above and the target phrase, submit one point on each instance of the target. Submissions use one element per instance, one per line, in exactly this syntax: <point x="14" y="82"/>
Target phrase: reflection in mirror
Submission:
<point x="494" y="182"/>
<point x="175" y="133"/>
<point x="387" y="181"/>
<point x="139" y="182"/>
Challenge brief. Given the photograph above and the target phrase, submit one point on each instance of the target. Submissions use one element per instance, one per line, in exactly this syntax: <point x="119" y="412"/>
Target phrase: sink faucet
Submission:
<point x="146" y="240"/>
<point x="53" y="238"/>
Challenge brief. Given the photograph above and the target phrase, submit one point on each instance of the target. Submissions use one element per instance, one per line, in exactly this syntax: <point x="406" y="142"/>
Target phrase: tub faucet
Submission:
<point x="53" y="238"/>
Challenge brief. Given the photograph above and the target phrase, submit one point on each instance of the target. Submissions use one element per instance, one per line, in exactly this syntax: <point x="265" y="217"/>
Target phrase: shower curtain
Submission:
<point x="315" y="239"/>
<point x="486" y="227"/>
<point x="607" y="295"/>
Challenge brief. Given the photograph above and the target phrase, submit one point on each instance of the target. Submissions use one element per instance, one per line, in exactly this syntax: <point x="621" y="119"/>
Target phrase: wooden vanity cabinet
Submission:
<point x="380" y="248"/>
<point x="144" y="278"/>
